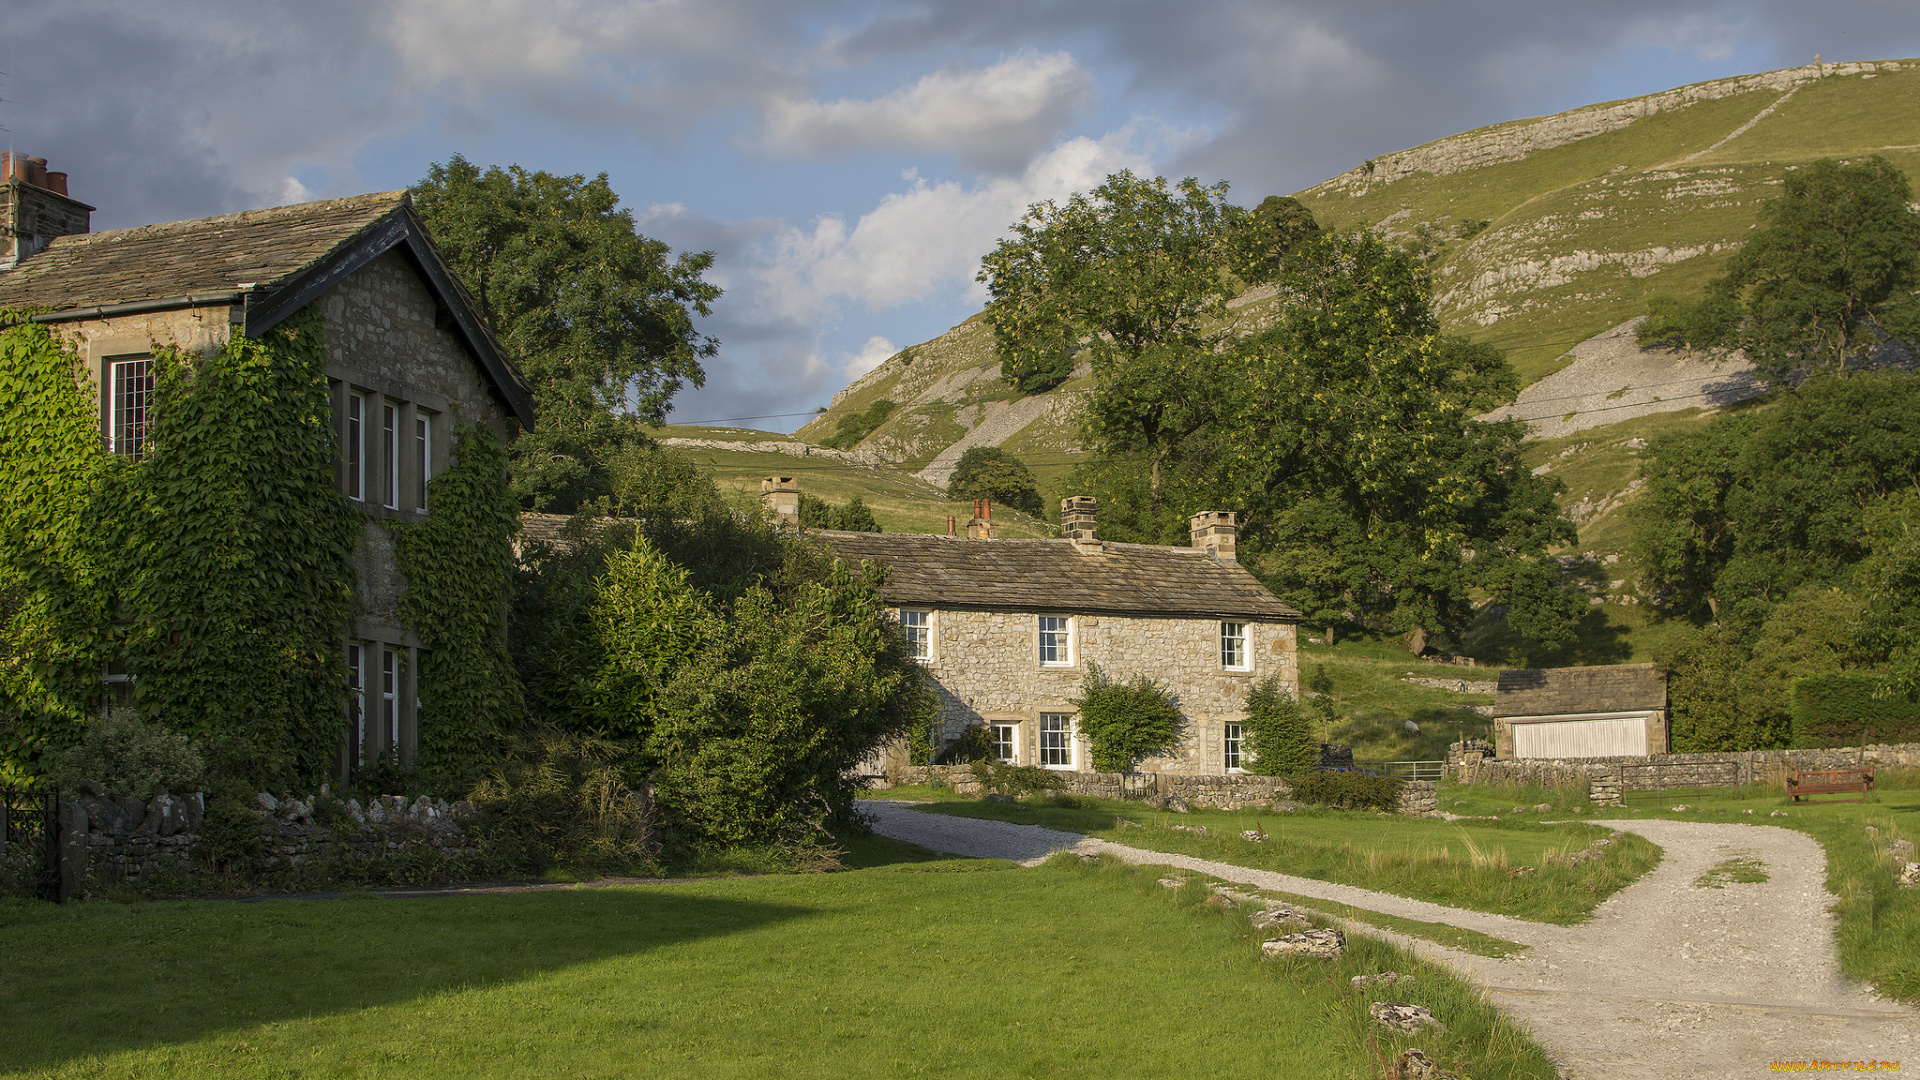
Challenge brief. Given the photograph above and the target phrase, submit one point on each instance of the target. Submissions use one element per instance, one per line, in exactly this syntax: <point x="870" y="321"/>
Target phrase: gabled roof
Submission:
<point x="1058" y="576"/>
<point x="273" y="261"/>
<point x="1598" y="689"/>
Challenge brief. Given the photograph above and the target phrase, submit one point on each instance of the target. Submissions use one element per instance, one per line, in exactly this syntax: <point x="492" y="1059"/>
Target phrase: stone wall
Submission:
<point x="985" y="667"/>
<point x="1604" y="779"/>
<point x="128" y="838"/>
<point x="1168" y="790"/>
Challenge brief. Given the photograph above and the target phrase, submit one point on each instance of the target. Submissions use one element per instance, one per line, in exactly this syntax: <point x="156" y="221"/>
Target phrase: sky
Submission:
<point x="847" y="163"/>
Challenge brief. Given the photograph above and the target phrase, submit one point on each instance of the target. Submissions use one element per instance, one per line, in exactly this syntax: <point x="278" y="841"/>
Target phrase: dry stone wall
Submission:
<point x="1606" y="779"/>
<point x="1174" y="791"/>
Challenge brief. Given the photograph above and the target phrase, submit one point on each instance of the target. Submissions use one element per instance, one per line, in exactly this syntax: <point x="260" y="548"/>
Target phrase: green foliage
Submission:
<point x="756" y="738"/>
<point x="1010" y="779"/>
<point x="128" y="757"/>
<point x="598" y="317"/>
<point x="988" y="472"/>
<point x="1702" y="690"/>
<point x="975" y="744"/>
<point x="1846" y="709"/>
<point x="1346" y="790"/>
<point x="1268" y="236"/>
<point x="1279" y="736"/>
<point x="648" y="623"/>
<point x="855" y="516"/>
<point x="1827" y="276"/>
<point x="458" y="563"/>
<point x="562" y="799"/>
<point x="1124" y="722"/>
<point x="854" y="427"/>
<point x="217" y="568"/>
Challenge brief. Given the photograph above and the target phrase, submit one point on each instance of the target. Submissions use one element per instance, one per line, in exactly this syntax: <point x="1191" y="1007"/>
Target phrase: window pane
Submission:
<point x="1233" y="645"/>
<point x="132" y="392"/>
<point x="1232" y="745"/>
<point x="356" y="708"/>
<point x="1056" y="641"/>
<point x="356" y="446"/>
<point x="918" y="628"/>
<point x="423" y="453"/>
<point x="1003" y="742"/>
<point x="1056" y="740"/>
<point x="389" y="458"/>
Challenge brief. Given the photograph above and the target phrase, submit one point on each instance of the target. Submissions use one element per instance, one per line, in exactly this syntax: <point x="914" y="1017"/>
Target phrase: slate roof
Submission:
<point x="281" y="259"/>
<point x="1557" y="691"/>
<point x="1055" y="576"/>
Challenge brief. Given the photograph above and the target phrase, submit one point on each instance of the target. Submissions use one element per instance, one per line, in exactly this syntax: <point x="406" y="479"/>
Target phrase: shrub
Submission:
<point x="855" y="516"/>
<point x="1842" y="710"/>
<point x="1279" y="735"/>
<point x="129" y="756"/>
<point x="1347" y="790"/>
<point x="974" y="746"/>
<point x="562" y="799"/>
<point x="854" y="427"/>
<point x="1010" y="779"/>
<point x="1125" y="722"/>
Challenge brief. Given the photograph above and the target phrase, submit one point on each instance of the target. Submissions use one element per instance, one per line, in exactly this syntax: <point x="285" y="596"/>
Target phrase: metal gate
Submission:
<point x="1663" y="781"/>
<point x="30" y="839"/>
<point x="1406" y="770"/>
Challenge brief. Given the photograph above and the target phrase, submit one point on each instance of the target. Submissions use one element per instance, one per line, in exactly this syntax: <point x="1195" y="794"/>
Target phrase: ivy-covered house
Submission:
<point x="256" y="486"/>
<point x="1008" y="631"/>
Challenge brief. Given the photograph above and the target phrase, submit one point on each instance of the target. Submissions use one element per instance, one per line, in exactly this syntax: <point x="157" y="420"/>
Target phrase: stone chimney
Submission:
<point x="781" y="494"/>
<point x="1214" y="533"/>
<point x="980" y="526"/>
<point x="35" y="208"/>
<point x="1076" y="522"/>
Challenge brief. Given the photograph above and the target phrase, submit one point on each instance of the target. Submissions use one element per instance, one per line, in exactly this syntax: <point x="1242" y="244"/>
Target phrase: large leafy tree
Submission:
<point x="1828" y="276"/>
<point x="988" y="472"/>
<point x="1131" y="274"/>
<point x="599" y="318"/>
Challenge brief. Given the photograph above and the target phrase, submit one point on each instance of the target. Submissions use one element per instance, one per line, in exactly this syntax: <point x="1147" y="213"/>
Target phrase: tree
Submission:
<point x="855" y="516"/>
<point x="1131" y="275"/>
<point x="1125" y="721"/>
<point x="1826" y="278"/>
<point x="598" y="317"/>
<point x="1269" y="235"/>
<point x="988" y="472"/>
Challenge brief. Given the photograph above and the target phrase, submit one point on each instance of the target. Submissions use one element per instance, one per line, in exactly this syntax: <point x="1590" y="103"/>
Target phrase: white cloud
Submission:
<point x="293" y="191"/>
<point x="930" y="237"/>
<point x="994" y="118"/>
<point x="872" y="355"/>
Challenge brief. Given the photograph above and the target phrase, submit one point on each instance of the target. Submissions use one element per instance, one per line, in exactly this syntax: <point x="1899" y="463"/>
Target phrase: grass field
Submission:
<point x="1461" y="864"/>
<point x="910" y="967"/>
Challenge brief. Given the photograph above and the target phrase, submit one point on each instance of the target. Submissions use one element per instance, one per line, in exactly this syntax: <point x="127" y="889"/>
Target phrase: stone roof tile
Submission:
<point x="1601" y="688"/>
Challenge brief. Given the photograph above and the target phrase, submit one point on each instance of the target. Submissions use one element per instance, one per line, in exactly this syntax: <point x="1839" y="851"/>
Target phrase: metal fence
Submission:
<point x="30" y="840"/>
<point x="1405" y="770"/>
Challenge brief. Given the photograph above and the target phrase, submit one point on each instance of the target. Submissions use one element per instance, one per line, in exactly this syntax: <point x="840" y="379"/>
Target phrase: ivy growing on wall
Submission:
<point x="459" y="567"/>
<point x="218" y="568"/>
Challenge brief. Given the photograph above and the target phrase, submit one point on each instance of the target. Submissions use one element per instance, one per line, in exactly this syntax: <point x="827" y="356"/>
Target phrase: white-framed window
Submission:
<point x="1006" y="743"/>
<point x="393" y="672"/>
<point x="1230" y="742"/>
<point x="353" y="446"/>
<point x="390" y="455"/>
<point x="1233" y="646"/>
<point x="1056" y="641"/>
<point x="422" y="456"/>
<point x="917" y="625"/>
<point x="356" y="706"/>
<point x="129" y="405"/>
<point x="1056" y="740"/>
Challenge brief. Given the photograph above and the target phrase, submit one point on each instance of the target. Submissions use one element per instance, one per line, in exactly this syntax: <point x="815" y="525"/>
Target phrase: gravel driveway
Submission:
<point x="1668" y="979"/>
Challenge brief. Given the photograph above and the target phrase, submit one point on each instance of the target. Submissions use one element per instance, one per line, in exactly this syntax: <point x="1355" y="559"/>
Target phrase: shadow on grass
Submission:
<point x="98" y="978"/>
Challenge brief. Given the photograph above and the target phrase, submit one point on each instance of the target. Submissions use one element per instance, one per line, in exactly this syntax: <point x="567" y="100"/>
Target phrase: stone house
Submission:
<point x="1616" y="710"/>
<point x="409" y="360"/>
<point x="1008" y="629"/>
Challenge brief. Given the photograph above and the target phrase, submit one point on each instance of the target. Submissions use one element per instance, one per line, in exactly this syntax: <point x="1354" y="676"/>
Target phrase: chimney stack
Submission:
<point x="781" y="494"/>
<point x="981" y="526"/>
<point x="1214" y="532"/>
<point x="35" y="208"/>
<point x="1076" y="522"/>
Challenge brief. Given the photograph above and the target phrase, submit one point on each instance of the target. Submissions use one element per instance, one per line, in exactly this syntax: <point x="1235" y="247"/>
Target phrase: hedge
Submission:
<point x="1841" y="710"/>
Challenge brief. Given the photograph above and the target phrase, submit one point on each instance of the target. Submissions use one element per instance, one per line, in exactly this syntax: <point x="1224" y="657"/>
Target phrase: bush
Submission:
<point x="1009" y="779"/>
<point x="129" y="756"/>
<point x="988" y="472"/>
<point x="1347" y="790"/>
<point x="855" y="516"/>
<point x="563" y="799"/>
<point x="974" y="746"/>
<point x="854" y="427"/>
<point x="1125" y="722"/>
<point x="1841" y="710"/>
<point x="1279" y="735"/>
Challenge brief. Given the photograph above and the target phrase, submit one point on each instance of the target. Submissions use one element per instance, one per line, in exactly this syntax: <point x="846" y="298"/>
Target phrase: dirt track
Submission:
<point x="1668" y="979"/>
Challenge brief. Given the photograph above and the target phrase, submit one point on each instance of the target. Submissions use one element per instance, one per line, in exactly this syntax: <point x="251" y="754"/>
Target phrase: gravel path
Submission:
<point x="1668" y="979"/>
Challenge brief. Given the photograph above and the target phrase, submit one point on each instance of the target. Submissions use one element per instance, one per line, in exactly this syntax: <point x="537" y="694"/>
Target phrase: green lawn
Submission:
<point x="1460" y="864"/>
<point x="965" y="968"/>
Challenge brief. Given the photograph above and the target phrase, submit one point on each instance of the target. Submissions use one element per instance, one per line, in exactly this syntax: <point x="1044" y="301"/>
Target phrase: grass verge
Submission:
<point x="1453" y="937"/>
<point x="1474" y="865"/>
<point x="902" y="969"/>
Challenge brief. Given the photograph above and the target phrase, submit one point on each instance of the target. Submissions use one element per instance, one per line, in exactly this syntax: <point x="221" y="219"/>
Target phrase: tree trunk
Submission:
<point x="1417" y="640"/>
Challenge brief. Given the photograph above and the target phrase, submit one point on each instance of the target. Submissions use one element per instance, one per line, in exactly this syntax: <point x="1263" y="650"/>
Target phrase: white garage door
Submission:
<point x="1581" y="738"/>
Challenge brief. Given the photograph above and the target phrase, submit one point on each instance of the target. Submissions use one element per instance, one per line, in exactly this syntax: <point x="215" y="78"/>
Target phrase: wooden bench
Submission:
<point x="1806" y="783"/>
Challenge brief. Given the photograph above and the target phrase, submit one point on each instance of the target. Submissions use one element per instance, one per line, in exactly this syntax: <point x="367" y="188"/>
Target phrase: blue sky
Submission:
<point x="847" y="162"/>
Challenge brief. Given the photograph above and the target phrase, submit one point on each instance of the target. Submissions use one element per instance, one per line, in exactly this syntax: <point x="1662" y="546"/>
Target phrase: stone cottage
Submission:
<point x="1611" y="710"/>
<point x="409" y="359"/>
<point x="1008" y="628"/>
